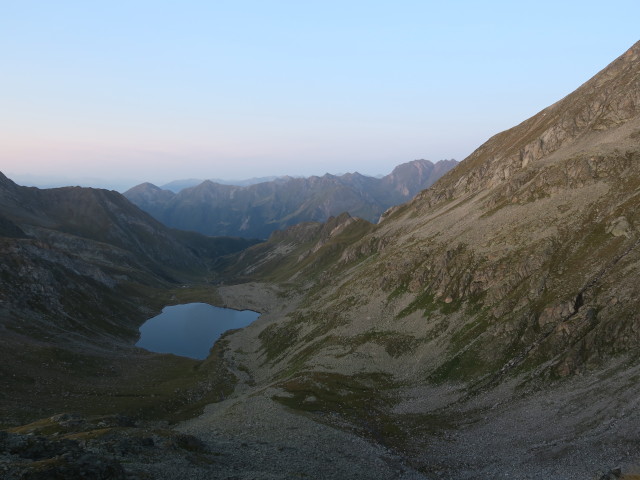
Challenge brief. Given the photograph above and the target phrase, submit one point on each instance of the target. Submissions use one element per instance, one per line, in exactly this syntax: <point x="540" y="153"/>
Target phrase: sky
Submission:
<point x="113" y="93"/>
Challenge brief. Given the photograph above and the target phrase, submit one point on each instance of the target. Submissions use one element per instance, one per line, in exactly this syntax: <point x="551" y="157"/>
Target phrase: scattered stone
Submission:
<point x="619" y="227"/>
<point x="612" y="474"/>
<point x="68" y="420"/>
<point x="34" y="457"/>
<point x="191" y="443"/>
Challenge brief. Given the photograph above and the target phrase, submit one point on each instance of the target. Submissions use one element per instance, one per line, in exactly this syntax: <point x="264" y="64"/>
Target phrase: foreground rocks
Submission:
<point x="70" y="446"/>
<point x="271" y="444"/>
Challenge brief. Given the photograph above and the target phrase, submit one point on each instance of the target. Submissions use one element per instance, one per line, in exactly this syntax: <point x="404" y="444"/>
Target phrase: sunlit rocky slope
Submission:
<point x="512" y="281"/>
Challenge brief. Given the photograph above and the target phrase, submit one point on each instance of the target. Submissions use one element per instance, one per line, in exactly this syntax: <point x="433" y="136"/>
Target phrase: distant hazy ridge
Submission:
<point x="254" y="211"/>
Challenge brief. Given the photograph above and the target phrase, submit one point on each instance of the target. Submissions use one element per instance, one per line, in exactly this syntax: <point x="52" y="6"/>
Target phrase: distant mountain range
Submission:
<point x="256" y="210"/>
<point x="178" y="185"/>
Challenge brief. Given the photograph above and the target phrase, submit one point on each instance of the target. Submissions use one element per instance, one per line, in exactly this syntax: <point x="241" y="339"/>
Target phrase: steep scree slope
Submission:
<point x="517" y="269"/>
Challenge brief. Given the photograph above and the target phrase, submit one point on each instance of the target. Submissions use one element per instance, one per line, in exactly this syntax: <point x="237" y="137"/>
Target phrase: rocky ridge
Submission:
<point x="255" y="211"/>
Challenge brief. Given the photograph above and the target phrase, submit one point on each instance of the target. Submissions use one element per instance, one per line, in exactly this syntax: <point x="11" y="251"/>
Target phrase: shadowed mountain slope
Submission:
<point x="81" y="270"/>
<point x="255" y="211"/>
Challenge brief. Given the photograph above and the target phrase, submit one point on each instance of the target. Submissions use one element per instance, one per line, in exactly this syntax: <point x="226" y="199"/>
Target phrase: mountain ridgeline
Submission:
<point x="525" y="254"/>
<point x="255" y="211"/>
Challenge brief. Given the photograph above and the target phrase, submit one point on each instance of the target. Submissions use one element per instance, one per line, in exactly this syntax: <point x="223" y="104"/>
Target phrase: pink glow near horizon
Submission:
<point x="158" y="92"/>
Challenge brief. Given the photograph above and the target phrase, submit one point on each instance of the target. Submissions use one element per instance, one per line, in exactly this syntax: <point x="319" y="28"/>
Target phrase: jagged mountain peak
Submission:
<point x="149" y="194"/>
<point x="413" y="164"/>
<point x="255" y="211"/>
<point x="206" y="184"/>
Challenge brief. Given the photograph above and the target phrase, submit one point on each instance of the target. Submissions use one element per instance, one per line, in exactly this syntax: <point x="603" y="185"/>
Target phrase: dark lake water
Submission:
<point x="191" y="329"/>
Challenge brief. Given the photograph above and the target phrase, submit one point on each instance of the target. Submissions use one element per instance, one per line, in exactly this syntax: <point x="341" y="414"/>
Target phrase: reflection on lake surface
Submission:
<point x="191" y="329"/>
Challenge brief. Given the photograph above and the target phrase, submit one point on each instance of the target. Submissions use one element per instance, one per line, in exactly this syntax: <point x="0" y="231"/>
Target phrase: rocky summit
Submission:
<point x="488" y="328"/>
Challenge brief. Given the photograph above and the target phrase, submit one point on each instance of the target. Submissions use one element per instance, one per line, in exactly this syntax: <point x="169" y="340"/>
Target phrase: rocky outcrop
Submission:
<point x="72" y="446"/>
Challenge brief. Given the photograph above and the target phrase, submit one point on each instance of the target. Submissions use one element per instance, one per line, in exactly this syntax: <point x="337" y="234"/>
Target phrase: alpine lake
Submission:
<point x="191" y="329"/>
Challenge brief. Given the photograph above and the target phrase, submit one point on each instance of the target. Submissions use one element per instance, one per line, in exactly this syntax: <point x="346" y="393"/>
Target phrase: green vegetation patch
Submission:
<point x="277" y="338"/>
<point x="139" y="384"/>
<point x="361" y="400"/>
<point x="395" y="344"/>
<point x="427" y="302"/>
<point x="470" y="331"/>
<point x="464" y="366"/>
<point x="361" y="403"/>
<point x="399" y="291"/>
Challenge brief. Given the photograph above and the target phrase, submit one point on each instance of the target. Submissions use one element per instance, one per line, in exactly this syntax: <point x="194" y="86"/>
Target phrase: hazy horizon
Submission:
<point x="123" y="184"/>
<point x="147" y="91"/>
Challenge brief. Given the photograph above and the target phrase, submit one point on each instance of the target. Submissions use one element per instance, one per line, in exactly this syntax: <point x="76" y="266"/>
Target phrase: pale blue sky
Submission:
<point x="161" y="90"/>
